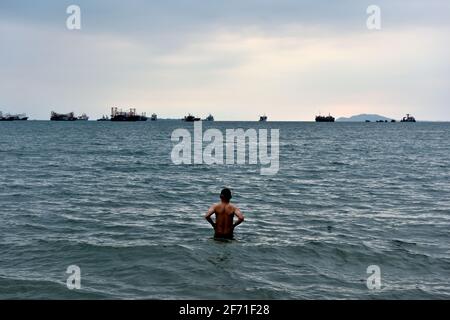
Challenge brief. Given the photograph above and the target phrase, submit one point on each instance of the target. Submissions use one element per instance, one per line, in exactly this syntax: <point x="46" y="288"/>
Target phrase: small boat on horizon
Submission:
<point x="209" y="118"/>
<point x="328" y="118"/>
<point x="191" y="118"/>
<point x="13" y="117"/>
<point x="62" y="116"/>
<point x="408" y="118"/>
<point x="154" y="117"/>
<point x="131" y="116"/>
<point x="263" y="118"/>
<point x="83" y="117"/>
<point x="103" y="118"/>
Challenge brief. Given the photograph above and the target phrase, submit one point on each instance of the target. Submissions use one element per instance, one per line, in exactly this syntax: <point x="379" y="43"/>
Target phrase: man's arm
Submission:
<point x="208" y="215"/>
<point x="240" y="216"/>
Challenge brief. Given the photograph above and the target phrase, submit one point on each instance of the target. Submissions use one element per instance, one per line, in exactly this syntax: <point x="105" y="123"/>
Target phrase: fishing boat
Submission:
<point x="209" y="118"/>
<point x="154" y="117"/>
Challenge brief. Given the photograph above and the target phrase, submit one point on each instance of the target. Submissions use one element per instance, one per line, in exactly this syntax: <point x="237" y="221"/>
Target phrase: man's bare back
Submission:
<point x="225" y="212"/>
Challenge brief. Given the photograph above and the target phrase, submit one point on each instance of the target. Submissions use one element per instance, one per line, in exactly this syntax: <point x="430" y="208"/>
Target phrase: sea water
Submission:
<point x="107" y="198"/>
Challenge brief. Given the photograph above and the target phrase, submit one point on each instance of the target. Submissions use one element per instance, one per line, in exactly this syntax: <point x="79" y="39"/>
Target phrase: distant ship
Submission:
<point x="328" y="118"/>
<point x="209" y="118"/>
<point x="154" y="117"/>
<point x="408" y="118"/>
<point x="263" y="118"/>
<point x="13" y="117"/>
<point x="103" y="118"/>
<point x="83" y="117"/>
<point x="131" y="116"/>
<point x="63" y="117"/>
<point x="191" y="118"/>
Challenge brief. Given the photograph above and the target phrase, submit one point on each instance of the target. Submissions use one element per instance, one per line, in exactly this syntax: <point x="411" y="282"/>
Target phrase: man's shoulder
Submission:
<point x="233" y="207"/>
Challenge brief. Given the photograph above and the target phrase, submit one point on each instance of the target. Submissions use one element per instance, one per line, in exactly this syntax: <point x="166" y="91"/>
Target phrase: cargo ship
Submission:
<point x="131" y="116"/>
<point x="191" y="118"/>
<point x="13" y="117"/>
<point x="63" y="116"/>
<point x="328" y="118"/>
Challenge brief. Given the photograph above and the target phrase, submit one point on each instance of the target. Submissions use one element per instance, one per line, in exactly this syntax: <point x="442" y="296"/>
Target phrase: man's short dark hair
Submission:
<point x="225" y="194"/>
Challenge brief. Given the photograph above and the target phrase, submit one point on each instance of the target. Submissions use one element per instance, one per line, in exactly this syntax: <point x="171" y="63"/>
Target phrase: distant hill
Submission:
<point x="363" y="118"/>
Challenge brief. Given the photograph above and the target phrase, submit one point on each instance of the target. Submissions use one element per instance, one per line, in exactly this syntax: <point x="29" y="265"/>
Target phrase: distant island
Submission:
<point x="364" y="117"/>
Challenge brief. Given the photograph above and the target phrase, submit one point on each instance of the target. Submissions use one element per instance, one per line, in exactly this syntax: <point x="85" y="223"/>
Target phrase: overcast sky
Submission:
<point x="236" y="59"/>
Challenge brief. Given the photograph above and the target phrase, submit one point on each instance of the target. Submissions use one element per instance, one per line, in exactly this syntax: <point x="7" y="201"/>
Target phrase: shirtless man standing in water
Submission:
<point x="225" y="212"/>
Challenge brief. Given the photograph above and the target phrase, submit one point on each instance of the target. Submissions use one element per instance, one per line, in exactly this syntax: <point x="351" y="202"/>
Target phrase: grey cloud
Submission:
<point x="143" y="16"/>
